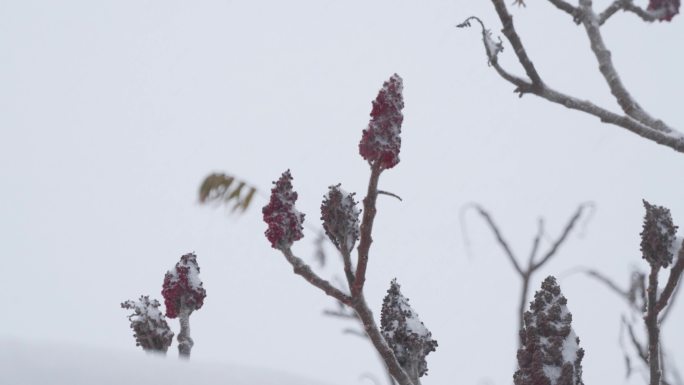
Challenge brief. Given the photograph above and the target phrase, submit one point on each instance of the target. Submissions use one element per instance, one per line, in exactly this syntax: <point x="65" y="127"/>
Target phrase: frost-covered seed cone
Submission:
<point x="152" y="333"/>
<point x="658" y="235"/>
<point x="405" y="333"/>
<point x="380" y="143"/>
<point x="340" y="217"/>
<point x="550" y="352"/>
<point x="182" y="289"/>
<point x="283" y="220"/>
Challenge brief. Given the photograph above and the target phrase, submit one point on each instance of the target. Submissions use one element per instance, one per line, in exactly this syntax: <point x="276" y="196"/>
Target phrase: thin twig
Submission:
<point x="339" y="314"/>
<point x="302" y="269"/>
<point x="672" y="281"/>
<point x="512" y="36"/>
<point x="625" y="5"/>
<point x="670" y="304"/>
<point x="500" y="239"/>
<point x="608" y="282"/>
<point x="393" y="195"/>
<point x="641" y="352"/>
<point x="354" y="332"/>
<point x="535" y="242"/>
<point x="554" y="248"/>
<point x="532" y="267"/>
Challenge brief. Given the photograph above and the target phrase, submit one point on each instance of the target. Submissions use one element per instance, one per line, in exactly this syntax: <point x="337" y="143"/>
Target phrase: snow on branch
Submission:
<point x="492" y="47"/>
<point x="633" y="118"/>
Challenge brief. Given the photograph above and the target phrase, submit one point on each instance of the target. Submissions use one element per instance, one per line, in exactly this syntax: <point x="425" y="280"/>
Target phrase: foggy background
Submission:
<point x="113" y="112"/>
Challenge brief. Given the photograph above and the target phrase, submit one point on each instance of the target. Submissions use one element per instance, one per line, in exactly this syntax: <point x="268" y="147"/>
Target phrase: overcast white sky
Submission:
<point x="112" y="113"/>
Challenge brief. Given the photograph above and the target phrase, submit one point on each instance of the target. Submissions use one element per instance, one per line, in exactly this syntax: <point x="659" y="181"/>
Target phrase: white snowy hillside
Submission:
<point x="23" y="363"/>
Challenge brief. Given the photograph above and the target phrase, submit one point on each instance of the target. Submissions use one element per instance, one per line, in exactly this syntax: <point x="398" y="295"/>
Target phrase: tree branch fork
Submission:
<point x="633" y="117"/>
<point x="355" y="278"/>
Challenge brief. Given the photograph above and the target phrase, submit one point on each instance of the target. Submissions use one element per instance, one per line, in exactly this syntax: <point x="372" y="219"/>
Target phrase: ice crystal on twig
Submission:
<point x="410" y="340"/>
<point x="283" y="220"/>
<point x="380" y="143"/>
<point x="658" y="235"/>
<point x="340" y="217"/>
<point x="152" y="333"/>
<point x="550" y="352"/>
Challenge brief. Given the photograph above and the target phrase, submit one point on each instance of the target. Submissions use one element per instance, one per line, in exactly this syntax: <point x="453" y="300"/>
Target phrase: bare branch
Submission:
<point x="535" y="243"/>
<point x="499" y="238"/>
<point x="670" y="304"/>
<point x="610" y="11"/>
<point x="625" y="5"/>
<point x="366" y="239"/>
<point x="641" y="351"/>
<point x="512" y="36"/>
<point x="393" y="195"/>
<point x="554" y="248"/>
<point x="379" y="342"/>
<point x="608" y="282"/>
<point x="527" y="273"/>
<point x="564" y="6"/>
<point x="354" y="332"/>
<point x="339" y="314"/>
<point x="672" y="282"/>
<point x="652" y="327"/>
<point x="301" y="268"/>
<point x="607" y="69"/>
<point x="636" y="121"/>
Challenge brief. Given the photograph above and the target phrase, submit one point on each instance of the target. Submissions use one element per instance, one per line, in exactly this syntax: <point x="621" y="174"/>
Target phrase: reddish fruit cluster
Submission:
<point x="380" y="143"/>
<point x="283" y="220"/>
<point x="664" y="9"/>
<point x="182" y="288"/>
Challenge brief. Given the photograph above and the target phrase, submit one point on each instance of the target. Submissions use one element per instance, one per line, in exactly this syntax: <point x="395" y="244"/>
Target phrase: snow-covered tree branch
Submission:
<point x="632" y="117"/>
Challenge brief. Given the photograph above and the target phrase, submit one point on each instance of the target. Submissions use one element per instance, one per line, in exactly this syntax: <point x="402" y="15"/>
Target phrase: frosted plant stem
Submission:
<point x="369" y="212"/>
<point x="523" y="304"/>
<point x="185" y="343"/>
<point x="366" y="316"/>
<point x="652" y="327"/>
